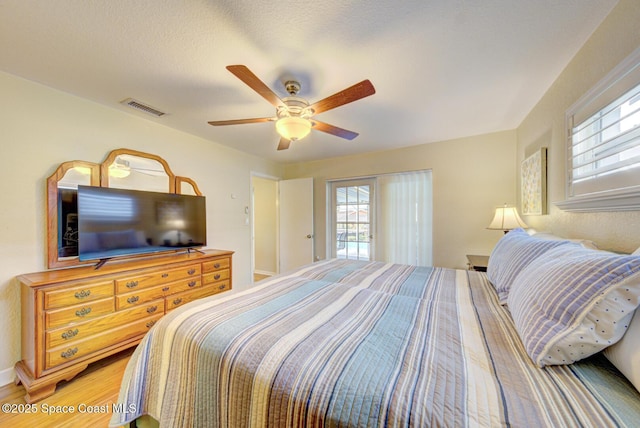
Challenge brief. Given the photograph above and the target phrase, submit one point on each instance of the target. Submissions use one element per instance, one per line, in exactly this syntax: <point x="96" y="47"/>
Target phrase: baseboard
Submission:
<point x="7" y="376"/>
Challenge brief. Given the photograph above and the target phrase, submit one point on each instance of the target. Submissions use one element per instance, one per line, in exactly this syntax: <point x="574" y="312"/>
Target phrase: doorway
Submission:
<point x="264" y="227"/>
<point x="282" y="235"/>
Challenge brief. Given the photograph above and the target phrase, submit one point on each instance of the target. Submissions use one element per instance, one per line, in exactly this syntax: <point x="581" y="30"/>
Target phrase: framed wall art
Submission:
<point x="534" y="183"/>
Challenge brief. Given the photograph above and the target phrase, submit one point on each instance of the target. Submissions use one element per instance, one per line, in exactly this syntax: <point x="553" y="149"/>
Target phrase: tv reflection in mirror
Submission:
<point x="124" y="222"/>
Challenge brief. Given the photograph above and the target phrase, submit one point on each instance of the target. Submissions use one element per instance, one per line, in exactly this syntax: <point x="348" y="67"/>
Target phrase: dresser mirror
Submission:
<point x="128" y="169"/>
<point x="62" y="217"/>
<point x="186" y="186"/>
<point x="123" y="169"/>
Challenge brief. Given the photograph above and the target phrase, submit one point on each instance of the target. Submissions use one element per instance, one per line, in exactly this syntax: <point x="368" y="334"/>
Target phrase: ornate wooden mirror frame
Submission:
<point x="122" y="168"/>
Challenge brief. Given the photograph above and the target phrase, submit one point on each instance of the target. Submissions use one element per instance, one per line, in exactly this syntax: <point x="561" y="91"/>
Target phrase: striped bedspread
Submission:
<point x="345" y="343"/>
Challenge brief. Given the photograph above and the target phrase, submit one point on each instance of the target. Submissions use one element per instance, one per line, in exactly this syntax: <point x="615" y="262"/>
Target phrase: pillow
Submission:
<point x="584" y="242"/>
<point x="512" y="253"/>
<point x="572" y="302"/>
<point x="625" y="354"/>
<point x="636" y="252"/>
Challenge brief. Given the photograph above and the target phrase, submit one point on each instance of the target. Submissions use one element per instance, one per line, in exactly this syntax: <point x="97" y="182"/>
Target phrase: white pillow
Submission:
<point x="586" y="243"/>
<point x="572" y="302"/>
<point x="625" y="354"/>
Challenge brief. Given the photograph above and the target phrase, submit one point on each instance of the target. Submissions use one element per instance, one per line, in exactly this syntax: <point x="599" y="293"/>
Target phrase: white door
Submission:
<point x="296" y="222"/>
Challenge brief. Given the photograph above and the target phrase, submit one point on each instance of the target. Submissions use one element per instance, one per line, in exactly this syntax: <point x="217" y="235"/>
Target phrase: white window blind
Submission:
<point x="604" y="142"/>
<point x="607" y="143"/>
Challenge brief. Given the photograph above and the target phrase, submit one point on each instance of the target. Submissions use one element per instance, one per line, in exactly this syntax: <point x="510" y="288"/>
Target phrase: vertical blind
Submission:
<point x="405" y="220"/>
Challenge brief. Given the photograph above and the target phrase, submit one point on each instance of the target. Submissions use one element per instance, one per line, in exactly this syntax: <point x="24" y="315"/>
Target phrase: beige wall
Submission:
<point x="42" y="127"/>
<point x="265" y="226"/>
<point x="614" y="40"/>
<point x="471" y="176"/>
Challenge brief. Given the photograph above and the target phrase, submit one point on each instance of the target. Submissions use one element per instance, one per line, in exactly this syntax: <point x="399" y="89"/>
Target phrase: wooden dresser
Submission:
<point x="73" y="317"/>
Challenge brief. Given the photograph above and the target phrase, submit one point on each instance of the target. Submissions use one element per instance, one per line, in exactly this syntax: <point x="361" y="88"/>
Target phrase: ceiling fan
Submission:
<point x="294" y="115"/>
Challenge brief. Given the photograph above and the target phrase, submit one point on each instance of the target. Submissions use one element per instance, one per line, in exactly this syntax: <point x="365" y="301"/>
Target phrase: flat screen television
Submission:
<point x="123" y="222"/>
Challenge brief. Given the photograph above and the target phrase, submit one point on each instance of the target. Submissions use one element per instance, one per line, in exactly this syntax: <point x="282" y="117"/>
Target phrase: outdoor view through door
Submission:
<point x="400" y="204"/>
<point x="353" y="220"/>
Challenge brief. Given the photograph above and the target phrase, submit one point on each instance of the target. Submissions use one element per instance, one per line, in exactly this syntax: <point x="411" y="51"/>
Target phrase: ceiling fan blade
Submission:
<point x="333" y="130"/>
<point x="247" y="76"/>
<point x="241" y="121"/>
<point x="283" y="144"/>
<point x="352" y="93"/>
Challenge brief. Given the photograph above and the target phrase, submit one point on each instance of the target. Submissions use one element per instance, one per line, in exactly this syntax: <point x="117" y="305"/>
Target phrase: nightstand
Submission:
<point x="477" y="263"/>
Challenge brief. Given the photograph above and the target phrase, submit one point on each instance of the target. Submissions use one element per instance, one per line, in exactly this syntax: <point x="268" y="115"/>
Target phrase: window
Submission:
<point x="604" y="143"/>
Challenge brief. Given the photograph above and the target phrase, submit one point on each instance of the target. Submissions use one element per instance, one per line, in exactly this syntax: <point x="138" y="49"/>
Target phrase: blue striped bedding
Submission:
<point x="347" y="343"/>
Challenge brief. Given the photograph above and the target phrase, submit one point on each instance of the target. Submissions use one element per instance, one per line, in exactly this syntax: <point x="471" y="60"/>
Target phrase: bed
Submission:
<point x="352" y="343"/>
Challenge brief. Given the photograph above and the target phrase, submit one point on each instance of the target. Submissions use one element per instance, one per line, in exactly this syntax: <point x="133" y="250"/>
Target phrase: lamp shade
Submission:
<point x="506" y="218"/>
<point x="293" y="128"/>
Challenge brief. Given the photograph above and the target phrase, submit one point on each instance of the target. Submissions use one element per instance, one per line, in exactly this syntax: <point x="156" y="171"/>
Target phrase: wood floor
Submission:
<point x="258" y="276"/>
<point x="97" y="387"/>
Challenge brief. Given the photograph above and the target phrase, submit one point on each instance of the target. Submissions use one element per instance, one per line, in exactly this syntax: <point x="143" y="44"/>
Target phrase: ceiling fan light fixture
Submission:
<point x="293" y="128"/>
<point x="119" y="169"/>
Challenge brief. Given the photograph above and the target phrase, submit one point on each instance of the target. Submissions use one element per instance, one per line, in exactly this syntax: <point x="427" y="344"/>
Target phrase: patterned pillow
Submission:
<point x="513" y="253"/>
<point x="572" y="302"/>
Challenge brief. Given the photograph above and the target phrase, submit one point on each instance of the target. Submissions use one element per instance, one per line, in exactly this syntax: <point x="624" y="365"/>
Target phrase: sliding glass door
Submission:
<point x="400" y="203"/>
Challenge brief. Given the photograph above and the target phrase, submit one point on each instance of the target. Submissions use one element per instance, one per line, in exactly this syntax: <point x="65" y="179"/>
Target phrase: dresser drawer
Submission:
<point x="155" y="277"/>
<point x="76" y="332"/>
<point x="81" y="348"/>
<point x="220" y="275"/>
<point x="180" y="299"/>
<point x="128" y="300"/>
<point x="78" y="313"/>
<point x="214" y="265"/>
<point x="80" y="293"/>
<point x="135" y="298"/>
<point x="219" y="287"/>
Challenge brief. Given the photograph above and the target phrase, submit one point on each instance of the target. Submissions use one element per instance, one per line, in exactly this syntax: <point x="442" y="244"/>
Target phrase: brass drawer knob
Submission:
<point x="222" y="287"/>
<point x="133" y="299"/>
<point x="217" y="265"/>
<point x="191" y="271"/>
<point x="152" y="309"/>
<point x="82" y="294"/>
<point x="69" y="353"/>
<point x="83" y="312"/>
<point x="164" y="275"/>
<point x="132" y="284"/>
<point x="177" y="301"/>
<point x="150" y="324"/>
<point x="192" y="284"/>
<point x="216" y="276"/>
<point x="69" y="334"/>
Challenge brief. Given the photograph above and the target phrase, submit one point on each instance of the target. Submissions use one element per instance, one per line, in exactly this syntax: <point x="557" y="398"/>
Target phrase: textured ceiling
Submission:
<point x="442" y="69"/>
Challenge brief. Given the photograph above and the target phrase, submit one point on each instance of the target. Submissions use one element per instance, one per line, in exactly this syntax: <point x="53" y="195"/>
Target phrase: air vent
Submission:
<point x="142" y="107"/>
